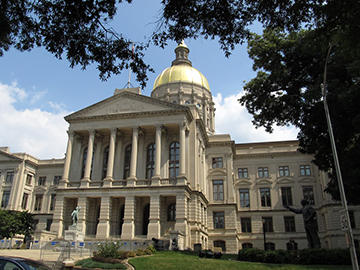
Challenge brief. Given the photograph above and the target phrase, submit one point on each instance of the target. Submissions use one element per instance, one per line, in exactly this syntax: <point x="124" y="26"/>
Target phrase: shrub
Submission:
<point x="151" y="248"/>
<point x="140" y="252"/>
<point x="131" y="254"/>
<point x="251" y="254"/>
<point x="108" y="250"/>
<point x="217" y="255"/>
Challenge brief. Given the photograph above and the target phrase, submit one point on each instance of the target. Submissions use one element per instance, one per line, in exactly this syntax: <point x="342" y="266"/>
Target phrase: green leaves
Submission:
<point x="14" y="222"/>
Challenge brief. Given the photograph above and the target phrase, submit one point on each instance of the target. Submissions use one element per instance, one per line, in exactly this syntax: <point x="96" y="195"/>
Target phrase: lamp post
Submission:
<point x="264" y="232"/>
<point x="348" y="232"/>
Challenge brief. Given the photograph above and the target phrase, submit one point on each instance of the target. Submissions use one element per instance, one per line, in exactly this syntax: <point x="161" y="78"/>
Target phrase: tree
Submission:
<point x="290" y="59"/>
<point x="15" y="222"/>
<point x="77" y="30"/>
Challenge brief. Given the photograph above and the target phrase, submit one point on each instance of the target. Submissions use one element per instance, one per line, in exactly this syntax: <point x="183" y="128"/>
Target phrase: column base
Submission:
<point x="128" y="230"/>
<point x="103" y="230"/>
<point x="63" y="183"/>
<point x="130" y="181"/>
<point x="153" y="229"/>
<point x="107" y="182"/>
<point x="85" y="183"/>
<point x="155" y="180"/>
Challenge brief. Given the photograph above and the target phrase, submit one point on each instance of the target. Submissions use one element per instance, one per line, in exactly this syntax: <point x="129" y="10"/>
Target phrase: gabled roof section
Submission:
<point x="5" y="156"/>
<point x="125" y="103"/>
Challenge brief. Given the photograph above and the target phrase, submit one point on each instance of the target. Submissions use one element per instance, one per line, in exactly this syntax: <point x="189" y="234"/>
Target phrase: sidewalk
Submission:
<point x="34" y="254"/>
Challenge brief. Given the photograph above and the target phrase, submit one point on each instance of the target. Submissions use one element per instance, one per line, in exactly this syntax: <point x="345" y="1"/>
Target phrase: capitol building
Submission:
<point x="145" y="167"/>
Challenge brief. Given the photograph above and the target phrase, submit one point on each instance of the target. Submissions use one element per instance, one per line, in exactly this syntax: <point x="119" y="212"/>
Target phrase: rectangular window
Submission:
<point x="52" y="202"/>
<point x="244" y="197"/>
<point x="9" y="177"/>
<point x="289" y="224"/>
<point x="243" y="173"/>
<point x="5" y="199"/>
<point x="286" y="196"/>
<point x="57" y="179"/>
<point x="48" y="224"/>
<point x="28" y="179"/>
<point x="38" y="202"/>
<point x="352" y="219"/>
<point x="218" y="187"/>
<point x="265" y="197"/>
<point x="217" y="162"/>
<point x="246" y="225"/>
<point x="284" y="171"/>
<point x="308" y="193"/>
<point x="24" y="201"/>
<point x="305" y="170"/>
<point x="219" y="220"/>
<point x="268" y="224"/>
<point x="42" y="181"/>
<point x="263" y="172"/>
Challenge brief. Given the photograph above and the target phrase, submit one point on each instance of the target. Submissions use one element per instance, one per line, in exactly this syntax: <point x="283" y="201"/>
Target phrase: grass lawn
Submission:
<point x="88" y="263"/>
<point x="169" y="260"/>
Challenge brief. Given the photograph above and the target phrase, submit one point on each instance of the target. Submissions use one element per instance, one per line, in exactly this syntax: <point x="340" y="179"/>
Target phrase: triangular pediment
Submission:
<point x="125" y="103"/>
<point x="4" y="156"/>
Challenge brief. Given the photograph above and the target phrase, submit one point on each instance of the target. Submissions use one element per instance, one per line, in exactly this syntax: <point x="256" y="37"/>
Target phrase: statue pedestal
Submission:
<point x="73" y="234"/>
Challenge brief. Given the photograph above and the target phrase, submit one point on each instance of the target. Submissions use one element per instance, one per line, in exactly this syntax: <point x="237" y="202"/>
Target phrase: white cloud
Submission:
<point x="34" y="131"/>
<point x="232" y="118"/>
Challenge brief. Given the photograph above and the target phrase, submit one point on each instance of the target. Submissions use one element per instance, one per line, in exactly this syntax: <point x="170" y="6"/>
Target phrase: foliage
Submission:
<point x="305" y="256"/>
<point x="77" y="30"/>
<point x="286" y="91"/>
<point x="169" y="260"/>
<point x="290" y="59"/>
<point x="15" y="222"/>
<point x="89" y="263"/>
<point x="108" y="250"/>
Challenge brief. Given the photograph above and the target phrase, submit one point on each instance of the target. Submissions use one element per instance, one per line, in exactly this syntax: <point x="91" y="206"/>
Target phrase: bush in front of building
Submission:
<point x="305" y="256"/>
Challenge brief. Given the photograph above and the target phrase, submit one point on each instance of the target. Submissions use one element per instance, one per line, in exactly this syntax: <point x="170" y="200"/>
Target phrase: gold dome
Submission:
<point x="181" y="71"/>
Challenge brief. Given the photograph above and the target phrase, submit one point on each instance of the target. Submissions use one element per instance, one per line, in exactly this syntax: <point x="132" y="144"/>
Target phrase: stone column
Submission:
<point x="58" y="217"/>
<point x="182" y="149"/>
<point x="128" y="228"/>
<point x="134" y="151"/>
<point x="65" y="178"/>
<point x="157" y="155"/>
<point x="103" y="228"/>
<point x="85" y="181"/>
<point x="82" y="202"/>
<point x="181" y="217"/>
<point x="154" y="218"/>
<point x="110" y="165"/>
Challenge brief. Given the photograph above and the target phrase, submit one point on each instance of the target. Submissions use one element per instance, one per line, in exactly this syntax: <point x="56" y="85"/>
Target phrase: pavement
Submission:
<point x="35" y="254"/>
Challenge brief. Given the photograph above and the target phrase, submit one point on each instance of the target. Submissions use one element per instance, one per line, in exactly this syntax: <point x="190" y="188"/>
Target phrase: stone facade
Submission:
<point x="152" y="167"/>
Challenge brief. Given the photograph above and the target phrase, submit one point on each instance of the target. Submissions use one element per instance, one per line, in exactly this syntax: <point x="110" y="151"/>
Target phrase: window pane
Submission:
<point x="244" y="198"/>
<point x="265" y="197"/>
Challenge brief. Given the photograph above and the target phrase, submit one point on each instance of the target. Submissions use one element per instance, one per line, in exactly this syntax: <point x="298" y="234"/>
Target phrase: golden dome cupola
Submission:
<point x="183" y="84"/>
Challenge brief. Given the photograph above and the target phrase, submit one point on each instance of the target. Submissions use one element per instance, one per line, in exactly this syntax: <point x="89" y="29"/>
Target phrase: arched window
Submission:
<point x="171" y="213"/>
<point x="291" y="245"/>
<point x="83" y="163"/>
<point x="150" y="160"/>
<point x="105" y="161"/>
<point x="246" y="245"/>
<point x="269" y="246"/>
<point x="174" y="155"/>
<point x="221" y="244"/>
<point x="127" y="161"/>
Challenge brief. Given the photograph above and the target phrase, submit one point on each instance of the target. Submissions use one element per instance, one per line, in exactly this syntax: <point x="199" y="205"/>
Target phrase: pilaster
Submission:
<point x="103" y="228"/>
<point x="128" y="228"/>
<point x="58" y="221"/>
<point x="154" y="219"/>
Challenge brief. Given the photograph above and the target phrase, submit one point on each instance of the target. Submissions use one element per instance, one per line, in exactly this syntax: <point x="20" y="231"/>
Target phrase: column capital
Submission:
<point x="71" y="133"/>
<point x="91" y="132"/>
<point x="113" y="130"/>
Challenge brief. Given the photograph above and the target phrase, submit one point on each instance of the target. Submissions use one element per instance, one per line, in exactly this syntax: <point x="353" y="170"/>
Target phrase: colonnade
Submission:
<point x="111" y="156"/>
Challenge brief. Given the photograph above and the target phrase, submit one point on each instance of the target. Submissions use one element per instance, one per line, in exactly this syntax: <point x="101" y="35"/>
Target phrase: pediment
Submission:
<point x="217" y="172"/>
<point x="243" y="182"/>
<point x="285" y="181"/>
<point x="263" y="182"/>
<point x="39" y="189"/>
<point x="8" y="157"/>
<point x="125" y="103"/>
<point x="307" y="180"/>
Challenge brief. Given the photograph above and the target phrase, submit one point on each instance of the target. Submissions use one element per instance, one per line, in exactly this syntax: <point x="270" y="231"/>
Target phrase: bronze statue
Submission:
<point x="74" y="215"/>
<point x="309" y="216"/>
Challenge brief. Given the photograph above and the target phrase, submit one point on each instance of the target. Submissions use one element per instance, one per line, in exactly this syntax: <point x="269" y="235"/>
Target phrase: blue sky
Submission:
<point x="39" y="89"/>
